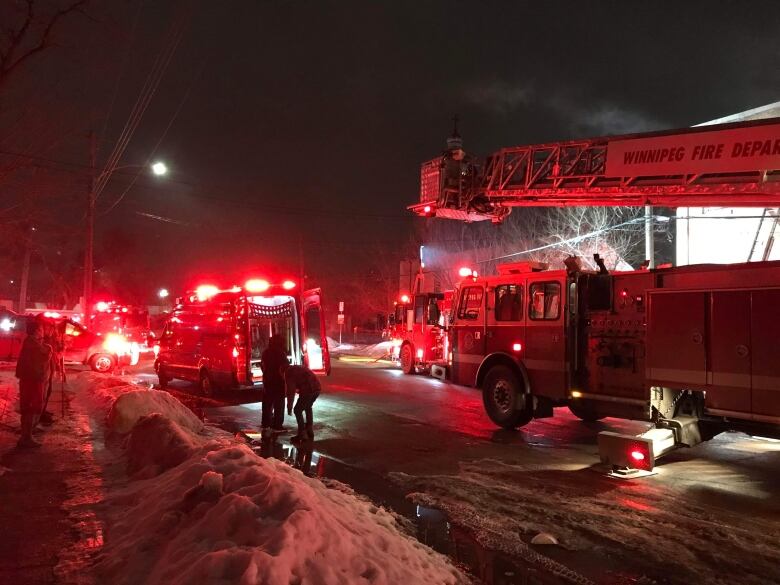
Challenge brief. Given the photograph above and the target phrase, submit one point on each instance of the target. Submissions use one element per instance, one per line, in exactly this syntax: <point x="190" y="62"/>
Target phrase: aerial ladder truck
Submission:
<point x="694" y="350"/>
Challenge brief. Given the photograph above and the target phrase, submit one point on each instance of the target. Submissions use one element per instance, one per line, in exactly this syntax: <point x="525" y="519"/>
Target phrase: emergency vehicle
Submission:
<point x="132" y="322"/>
<point x="418" y="331"/>
<point x="692" y="349"/>
<point x="82" y="346"/>
<point x="216" y="337"/>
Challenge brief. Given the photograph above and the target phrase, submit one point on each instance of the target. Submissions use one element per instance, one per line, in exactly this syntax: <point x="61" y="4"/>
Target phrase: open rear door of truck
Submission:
<point x="315" y="341"/>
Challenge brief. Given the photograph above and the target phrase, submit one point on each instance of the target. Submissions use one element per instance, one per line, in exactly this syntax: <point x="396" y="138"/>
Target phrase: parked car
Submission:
<point x="102" y="353"/>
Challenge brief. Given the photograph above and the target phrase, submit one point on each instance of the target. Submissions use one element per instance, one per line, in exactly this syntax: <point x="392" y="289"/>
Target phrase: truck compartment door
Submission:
<point x="315" y="340"/>
<point x="765" y="316"/>
<point x="728" y="371"/>
<point x="676" y="350"/>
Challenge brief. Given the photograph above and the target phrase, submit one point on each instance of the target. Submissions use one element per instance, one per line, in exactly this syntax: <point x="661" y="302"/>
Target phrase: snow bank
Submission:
<point x="156" y="443"/>
<point x="227" y="516"/>
<point x="131" y="406"/>
<point x="203" y="508"/>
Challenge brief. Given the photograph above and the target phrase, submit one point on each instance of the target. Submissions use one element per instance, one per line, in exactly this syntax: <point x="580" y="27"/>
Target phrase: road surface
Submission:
<point x="433" y="437"/>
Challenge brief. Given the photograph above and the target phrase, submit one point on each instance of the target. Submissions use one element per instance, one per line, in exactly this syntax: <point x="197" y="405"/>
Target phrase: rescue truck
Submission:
<point x="693" y="349"/>
<point x="216" y="337"/>
<point x="418" y="332"/>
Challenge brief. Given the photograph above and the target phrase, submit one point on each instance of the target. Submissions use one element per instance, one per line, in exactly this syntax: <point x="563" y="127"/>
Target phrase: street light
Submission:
<point x="159" y="168"/>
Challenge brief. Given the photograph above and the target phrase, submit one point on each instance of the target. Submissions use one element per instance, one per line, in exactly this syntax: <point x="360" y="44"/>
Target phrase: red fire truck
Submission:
<point x="693" y="349"/>
<point x="419" y="331"/>
<point x="216" y="337"/>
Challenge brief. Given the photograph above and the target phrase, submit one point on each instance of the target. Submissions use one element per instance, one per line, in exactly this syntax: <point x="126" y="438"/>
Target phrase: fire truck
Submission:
<point x="215" y="337"/>
<point x="692" y="349"/>
<point x="418" y="330"/>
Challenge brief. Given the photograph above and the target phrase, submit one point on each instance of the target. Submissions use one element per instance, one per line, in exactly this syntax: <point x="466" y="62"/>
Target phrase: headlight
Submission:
<point x="116" y="344"/>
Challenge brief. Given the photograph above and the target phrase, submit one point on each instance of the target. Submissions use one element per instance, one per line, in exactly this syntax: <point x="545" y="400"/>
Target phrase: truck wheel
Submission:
<point x="584" y="410"/>
<point x="205" y="384"/>
<point x="102" y="363"/>
<point x="505" y="401"/>
<point x="407" y="358"/>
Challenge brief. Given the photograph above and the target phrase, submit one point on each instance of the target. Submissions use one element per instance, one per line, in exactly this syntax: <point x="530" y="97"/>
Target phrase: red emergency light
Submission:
<point x="288" y="285"/>
<point x="256" y="285"/>
<point x="517" y="347"/>
<point x="404" y="299"/>
<point x="206" y="291"/>
<point x="102" y="306"/>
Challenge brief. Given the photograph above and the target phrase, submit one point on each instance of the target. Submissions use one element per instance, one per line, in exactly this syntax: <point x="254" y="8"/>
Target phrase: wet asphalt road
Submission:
<point x="375" y="418"/>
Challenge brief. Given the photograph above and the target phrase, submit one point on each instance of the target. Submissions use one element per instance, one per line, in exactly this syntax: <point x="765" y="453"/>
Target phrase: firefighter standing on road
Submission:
<point x="33" y="370"/>
<point x="272" y="362"/>
<point x="305" y="382"/>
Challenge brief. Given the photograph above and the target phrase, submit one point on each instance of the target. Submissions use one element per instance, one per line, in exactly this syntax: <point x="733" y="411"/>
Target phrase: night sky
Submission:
<point x="307" y="121"/>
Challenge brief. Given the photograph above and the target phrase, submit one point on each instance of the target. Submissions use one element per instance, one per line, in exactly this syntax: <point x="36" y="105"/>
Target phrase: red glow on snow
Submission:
<point x="288" y="285"/>
<point x="256" y="285"/>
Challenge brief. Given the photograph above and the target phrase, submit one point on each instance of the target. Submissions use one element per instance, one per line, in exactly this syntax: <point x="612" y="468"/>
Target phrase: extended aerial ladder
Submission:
<point x="725" y="165"/>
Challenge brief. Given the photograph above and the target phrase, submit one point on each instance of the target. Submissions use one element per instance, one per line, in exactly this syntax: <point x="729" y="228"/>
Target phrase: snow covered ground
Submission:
<point x="375" y="350"/>
<point x="199" y="507"/>
<point x="659" y="532"/>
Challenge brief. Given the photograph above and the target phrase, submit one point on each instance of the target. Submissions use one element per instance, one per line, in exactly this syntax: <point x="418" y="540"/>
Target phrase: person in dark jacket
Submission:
<point x="33" y="370"/>
<point x="302" y="380"/>
<point x="272" y="362"/>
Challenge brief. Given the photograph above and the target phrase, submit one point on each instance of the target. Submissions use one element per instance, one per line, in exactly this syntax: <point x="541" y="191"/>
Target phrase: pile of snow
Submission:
<point x="203" y="508"/>
<point x="157" y="443"/>
<point x="131" y="406"/>
<point x="652" y="529"/>
<point x="100" y="387"/>
<point x="225" y="515"/>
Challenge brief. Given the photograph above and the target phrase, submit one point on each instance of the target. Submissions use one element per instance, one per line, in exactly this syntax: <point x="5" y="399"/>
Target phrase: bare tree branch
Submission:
<point x="14" y="55"/>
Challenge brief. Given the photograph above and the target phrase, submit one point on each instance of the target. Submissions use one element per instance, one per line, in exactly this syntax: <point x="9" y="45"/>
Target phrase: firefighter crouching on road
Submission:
<point x="305" y="382"/>
<point x="33" y="370"/>
<point x="273" y="362"/>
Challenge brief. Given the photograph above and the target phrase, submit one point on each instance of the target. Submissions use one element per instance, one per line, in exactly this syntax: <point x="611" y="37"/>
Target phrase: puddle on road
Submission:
<point x="432" y="526"/>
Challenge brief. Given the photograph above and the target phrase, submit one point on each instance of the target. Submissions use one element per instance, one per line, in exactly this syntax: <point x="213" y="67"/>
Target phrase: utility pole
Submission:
<point x="302" y="273"/>
<point x="90" y="235"/>
<point x="25" y="269"/>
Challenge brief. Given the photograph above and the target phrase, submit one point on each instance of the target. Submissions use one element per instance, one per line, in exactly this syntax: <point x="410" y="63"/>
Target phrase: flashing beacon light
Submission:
<point x="517" y="347"/>
<point x="288" y="285"/>
<point x="256" y="285"/>
<point x="427" y="209"/>
<point x="163" y="293"/>
<point x="206" y="291"/>
<point x="235" y="352"/>
<point x="466" y="272"/>
<point x="102" y="306"/>
<point x="404" y="299"/>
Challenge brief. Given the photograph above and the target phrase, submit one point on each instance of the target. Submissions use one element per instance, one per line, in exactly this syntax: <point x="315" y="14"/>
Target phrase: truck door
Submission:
<point x="544" y="354"/>
<point x="315" y="340"/>
<point x="505" y="319"/>
<point x="468" y="338"/>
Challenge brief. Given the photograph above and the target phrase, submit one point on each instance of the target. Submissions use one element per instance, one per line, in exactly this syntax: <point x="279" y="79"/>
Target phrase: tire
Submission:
<point x="206" y="384"/>
<point x="506" y="402"/>
<point x="584" y="410"/>
<point x="102" y="363"/>
<point x="406" y="357"/>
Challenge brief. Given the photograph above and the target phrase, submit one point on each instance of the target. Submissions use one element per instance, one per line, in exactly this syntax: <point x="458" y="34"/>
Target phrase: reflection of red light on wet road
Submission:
<point x="634" y="505"/>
